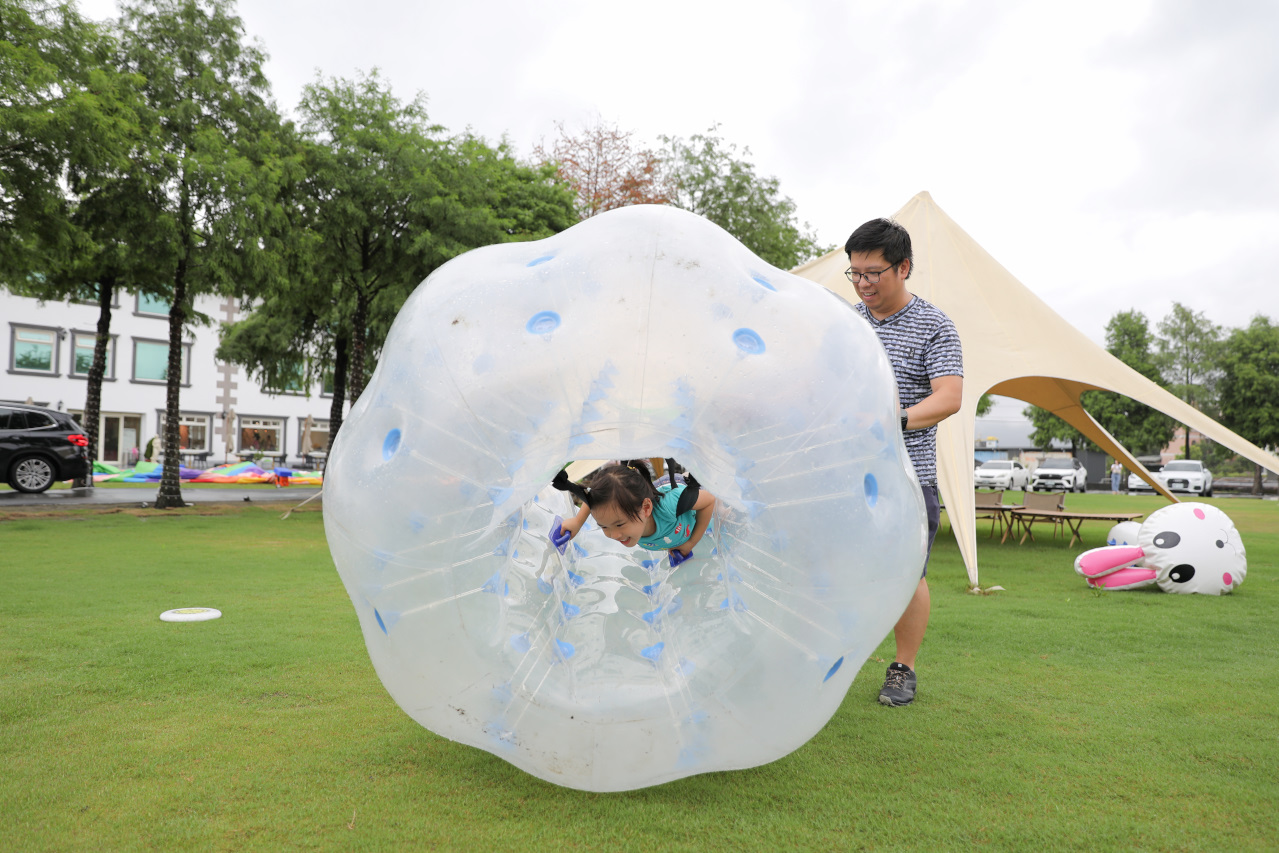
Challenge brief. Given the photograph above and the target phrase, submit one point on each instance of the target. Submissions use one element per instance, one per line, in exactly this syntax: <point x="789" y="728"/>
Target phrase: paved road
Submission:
<point x="70" y="498"/>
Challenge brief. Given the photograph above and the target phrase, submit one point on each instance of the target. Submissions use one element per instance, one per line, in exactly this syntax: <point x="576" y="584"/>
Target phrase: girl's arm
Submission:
<point x="571" y="526"/>
<point x="705" y="508"/>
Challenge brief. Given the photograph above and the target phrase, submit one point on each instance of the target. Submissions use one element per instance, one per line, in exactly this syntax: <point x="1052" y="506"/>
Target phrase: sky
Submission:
<point x="1112" y="156"/>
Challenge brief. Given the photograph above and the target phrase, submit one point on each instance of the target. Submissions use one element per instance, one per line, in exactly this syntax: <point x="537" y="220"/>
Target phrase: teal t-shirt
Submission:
<point x="672" y="530"/>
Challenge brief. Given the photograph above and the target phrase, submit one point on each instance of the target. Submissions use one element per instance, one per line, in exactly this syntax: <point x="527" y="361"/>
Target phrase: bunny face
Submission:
<point x="1193" y="547"/>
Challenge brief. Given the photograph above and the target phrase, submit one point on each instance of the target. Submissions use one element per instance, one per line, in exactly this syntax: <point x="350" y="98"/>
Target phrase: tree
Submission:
<point x="1249" y="386"/>
<point x="386" y="199"/>
<point x="1049" y="428"/>
<point x="605" y="169"/>
<point x="47" y="111"/>
<point x="1188" y="346"/>
<point x="214" y="159"/>
<point x="1133" y="424"/>
<point x="71" y="220"/>
<point x="984" y="405"/>
<point x="709" y="178"/>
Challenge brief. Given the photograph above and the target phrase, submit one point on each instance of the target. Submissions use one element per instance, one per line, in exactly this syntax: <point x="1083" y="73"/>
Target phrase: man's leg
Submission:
<point x="908" y="633"/>
<point x="909" y="630"/>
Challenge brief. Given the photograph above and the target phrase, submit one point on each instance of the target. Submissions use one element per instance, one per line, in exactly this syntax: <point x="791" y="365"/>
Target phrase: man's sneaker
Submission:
<point x="899" y="685"/>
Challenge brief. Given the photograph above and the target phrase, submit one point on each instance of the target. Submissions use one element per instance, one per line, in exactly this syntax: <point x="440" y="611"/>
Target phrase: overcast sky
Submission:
<point x="1110" y="155"/>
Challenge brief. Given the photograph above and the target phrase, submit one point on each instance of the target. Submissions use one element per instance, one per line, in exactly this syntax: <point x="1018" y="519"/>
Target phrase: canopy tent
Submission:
<point x="1014" y="346"/>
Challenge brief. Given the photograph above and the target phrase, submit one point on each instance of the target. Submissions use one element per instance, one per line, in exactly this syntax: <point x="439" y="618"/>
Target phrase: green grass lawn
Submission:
<point x="1050" y="716"/>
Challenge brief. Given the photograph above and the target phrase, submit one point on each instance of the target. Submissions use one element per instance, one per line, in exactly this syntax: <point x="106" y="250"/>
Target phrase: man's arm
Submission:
<point x="948" y="394"/>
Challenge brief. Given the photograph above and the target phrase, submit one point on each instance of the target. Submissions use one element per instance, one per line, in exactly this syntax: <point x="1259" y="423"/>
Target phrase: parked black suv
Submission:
<point x="39" y="447"/>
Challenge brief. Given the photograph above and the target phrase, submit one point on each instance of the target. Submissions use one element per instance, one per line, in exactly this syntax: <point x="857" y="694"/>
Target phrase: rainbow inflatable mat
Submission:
<point x="237" y="472"/>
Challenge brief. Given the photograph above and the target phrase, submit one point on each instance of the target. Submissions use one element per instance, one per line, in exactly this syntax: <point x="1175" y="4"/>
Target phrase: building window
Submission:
<point x="326" y="383"/>
<point x="193" y="431"/>
<point x="294" y="383"/>
<point x="319" y="436"/>
<point x="261" y="435"/>
<point x="151" y="361"/>
<point x="152" y="305"/>
<point x="82" y="354"/>
<point x="33" y="349"/>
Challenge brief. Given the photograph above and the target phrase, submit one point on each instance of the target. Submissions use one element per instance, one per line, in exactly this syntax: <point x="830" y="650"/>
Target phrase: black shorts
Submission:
<point x="934" y="518"/>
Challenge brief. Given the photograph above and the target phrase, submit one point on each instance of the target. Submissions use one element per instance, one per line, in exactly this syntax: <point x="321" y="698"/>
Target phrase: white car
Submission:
<point x="1058" y="472"/>
<point x="1136" y="484"/>
<point x="1001" y="474"/>
<point x="1186" y="475"/>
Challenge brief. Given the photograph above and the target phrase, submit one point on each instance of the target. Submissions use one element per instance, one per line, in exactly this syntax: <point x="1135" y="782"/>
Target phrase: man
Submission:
<point x="928" y="364"/>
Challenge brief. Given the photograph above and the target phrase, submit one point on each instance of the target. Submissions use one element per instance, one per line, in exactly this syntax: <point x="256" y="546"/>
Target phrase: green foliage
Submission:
<point x="67" y="119"/>
<point x="386" y="199"/>
<point x="1249" y="386"/>
<point x="1048" y="428"/>
<point x="1135" y="425"/>
<point x="708" y="177"/>
<point x="268" y="728"/>
<point x="984" y="405"/>
<point x="1188" y="350"/>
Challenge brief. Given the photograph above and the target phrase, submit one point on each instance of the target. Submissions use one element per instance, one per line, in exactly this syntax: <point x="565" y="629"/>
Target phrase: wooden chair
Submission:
<point x="1052" y="501"/>
<point x="988" y="505"/>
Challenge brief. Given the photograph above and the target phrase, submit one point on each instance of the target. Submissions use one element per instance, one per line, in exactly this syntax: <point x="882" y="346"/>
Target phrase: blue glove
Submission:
<point x="678" y="557"/>
<point x="558" y="537"/>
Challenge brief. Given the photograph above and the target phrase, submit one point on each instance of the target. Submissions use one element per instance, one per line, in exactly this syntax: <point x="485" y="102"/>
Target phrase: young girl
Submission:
<point x="630" y="509"/>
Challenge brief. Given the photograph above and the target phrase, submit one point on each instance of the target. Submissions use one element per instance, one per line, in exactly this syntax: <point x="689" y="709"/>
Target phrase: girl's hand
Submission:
<point x="571" y="526"/>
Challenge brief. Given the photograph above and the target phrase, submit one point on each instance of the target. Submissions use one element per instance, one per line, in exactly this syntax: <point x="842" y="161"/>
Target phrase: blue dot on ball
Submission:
<point x="871" y="485"/>
<point x="748" y="341"/>
<point x="391" y="444"/>
<point x="543" y="323"/>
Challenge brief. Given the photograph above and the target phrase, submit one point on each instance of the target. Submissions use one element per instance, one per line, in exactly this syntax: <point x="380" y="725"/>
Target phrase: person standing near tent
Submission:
<point x="928" y="363"/>
<point x="1115" y="471"/>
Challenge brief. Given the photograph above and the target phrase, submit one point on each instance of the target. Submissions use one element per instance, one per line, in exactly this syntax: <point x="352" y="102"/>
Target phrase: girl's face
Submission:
<point x="621" y="527"/>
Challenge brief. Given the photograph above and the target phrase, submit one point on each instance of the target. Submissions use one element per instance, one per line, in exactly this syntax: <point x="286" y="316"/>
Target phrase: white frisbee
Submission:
<point x="190" y="614"/>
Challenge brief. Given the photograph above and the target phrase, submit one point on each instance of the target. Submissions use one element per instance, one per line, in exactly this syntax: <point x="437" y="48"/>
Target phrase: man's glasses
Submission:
<point x="871" y="277"/>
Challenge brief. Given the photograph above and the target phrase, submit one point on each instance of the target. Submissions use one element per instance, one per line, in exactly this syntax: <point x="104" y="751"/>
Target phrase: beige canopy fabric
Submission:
<point x="1015" y="346"/>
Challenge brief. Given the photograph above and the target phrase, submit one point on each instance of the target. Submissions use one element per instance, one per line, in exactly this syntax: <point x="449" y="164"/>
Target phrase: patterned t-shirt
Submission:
<point x="672" y="530"/>
<point x="922" y="344"/>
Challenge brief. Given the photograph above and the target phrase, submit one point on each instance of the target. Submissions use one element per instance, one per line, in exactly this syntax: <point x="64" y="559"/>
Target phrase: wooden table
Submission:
<point x="1005" y="512"/>
<point x="1072" y="520"/>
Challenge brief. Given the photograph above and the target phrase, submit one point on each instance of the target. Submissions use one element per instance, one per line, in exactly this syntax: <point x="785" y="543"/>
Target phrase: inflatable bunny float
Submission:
<point x="1186" y="547"/>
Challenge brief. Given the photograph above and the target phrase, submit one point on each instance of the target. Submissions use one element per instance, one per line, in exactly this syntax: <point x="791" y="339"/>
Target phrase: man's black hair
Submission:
<point x="882" y="235"/>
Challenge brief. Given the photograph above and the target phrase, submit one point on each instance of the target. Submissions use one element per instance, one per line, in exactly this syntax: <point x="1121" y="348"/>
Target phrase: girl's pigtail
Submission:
<point x="640" y="466"/>
<point x="564" y="484"/>
<point x="692" y="489"/>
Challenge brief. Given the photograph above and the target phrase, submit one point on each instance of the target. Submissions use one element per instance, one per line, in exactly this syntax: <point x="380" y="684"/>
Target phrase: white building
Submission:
<point x="225" y="415"/>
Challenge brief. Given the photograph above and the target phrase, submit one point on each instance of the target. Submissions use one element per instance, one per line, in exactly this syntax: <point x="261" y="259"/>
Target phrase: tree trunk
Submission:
<point x="358" y="322"/>
<point x="1257" y="474"/>
<point x="170" y="494"/>
<point x="340" y="348"/>
<point x="93" y="400"/>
